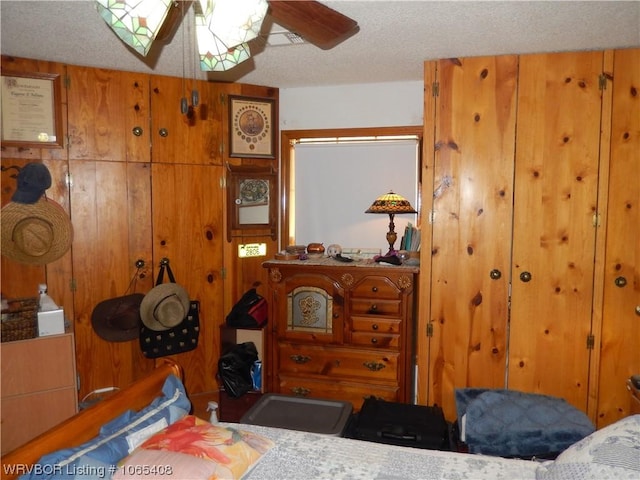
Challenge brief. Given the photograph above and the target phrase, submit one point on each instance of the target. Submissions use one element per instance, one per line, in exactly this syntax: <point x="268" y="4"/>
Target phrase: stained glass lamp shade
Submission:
<point x="391" y="204"/>
<point x="136" y="22"/>
<point x="214" y="54"/>
<point x="236" y="22"/>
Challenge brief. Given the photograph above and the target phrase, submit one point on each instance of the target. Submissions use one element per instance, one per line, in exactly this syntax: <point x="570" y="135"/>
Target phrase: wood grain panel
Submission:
<point x="620" y="349"/>
<point x="471" y="224"/>
<point x="556" y="183"/>
<point x="188" y="230"/>
<point x="97" y="109"/>
<point x="191" y="138"/>
<point x="112" y="231"/>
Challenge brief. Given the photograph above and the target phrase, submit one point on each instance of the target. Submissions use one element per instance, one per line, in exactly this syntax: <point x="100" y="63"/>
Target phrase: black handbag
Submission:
<point x="180" y="338"/>
<point x="249" y="312"/>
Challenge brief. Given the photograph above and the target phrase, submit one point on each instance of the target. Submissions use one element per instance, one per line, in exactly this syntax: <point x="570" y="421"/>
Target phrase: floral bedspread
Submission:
<point x="304" y="456"/>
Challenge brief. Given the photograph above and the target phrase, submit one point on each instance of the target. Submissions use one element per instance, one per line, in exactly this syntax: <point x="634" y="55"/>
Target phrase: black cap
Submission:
<point x="33" y="180"/>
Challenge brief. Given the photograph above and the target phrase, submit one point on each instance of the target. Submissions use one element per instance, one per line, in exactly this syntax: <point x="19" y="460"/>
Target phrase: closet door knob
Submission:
<point x="137" y="131"/>
<point x="525" y="276"/>
<point x="163" y="132"/>
<point x="638" y="310"/>
<point x="620" y="282"/>
<point x="495" y="274"/>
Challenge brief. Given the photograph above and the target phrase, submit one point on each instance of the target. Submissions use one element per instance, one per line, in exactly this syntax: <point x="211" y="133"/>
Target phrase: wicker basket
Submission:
<point x="20" y="320"/>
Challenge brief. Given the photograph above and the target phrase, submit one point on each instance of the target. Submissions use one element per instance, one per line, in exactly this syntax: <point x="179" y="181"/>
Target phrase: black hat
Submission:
<point x="118" y="319"/>
<point x="33" y="180"/>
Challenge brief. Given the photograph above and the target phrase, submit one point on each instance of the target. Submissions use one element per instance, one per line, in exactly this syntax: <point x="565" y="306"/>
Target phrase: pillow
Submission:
<point x="118" y="438"/>
<point x="510" y="423"/>
<point x="194" y="448"/>
<point x="610" y="453"/>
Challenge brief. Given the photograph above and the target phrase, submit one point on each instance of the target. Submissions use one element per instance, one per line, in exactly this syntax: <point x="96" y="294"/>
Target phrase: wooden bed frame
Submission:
<point x="85" y="425"/>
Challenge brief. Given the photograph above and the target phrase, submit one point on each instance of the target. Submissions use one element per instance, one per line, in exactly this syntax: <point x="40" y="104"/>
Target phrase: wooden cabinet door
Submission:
<point x="108" y="115"/>
<point x="556" y="185"/>
<point x="111" y="213"/>
<point x="194" y="137"/>
<point x="471" y="224"/>
<point x="620" y="348"/>
<point x="188" y="230"/>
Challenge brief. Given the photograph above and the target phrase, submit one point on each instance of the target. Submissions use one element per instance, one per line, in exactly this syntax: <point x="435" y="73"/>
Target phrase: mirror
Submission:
<point x="251" y="200"/>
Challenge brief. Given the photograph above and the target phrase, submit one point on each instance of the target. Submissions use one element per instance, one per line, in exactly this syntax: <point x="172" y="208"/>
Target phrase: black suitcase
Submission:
<point x="402" y="424"/>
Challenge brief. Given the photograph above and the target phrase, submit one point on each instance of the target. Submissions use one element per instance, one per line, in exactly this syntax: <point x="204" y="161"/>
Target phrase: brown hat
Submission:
<point x="165" y="306"/>
<point x="35" y="233"/>
<point x="118" y="319"/>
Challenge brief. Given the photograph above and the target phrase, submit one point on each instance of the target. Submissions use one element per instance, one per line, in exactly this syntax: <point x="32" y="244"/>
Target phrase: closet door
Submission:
<point x="471" y="225"/>
<point x="188" y="230"/>
<point x="556" y="185"/>
<point x="619" y="354"/>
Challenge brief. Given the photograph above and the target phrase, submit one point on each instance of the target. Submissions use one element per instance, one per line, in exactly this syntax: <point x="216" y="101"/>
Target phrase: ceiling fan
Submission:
<point x="223" y="27"/>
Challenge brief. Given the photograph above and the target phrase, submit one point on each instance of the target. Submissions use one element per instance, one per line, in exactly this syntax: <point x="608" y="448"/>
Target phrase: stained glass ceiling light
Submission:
<point x="136" y="22"/>
<point x="214" y="54"/>
<point x="236" y="22"/>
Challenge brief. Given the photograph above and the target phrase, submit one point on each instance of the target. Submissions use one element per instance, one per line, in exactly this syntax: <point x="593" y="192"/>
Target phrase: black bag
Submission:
<point x="178" y="339"/>
<point x="250" y="311"/>
<point x="402" y="424"/>
<point x="234" y="368"/>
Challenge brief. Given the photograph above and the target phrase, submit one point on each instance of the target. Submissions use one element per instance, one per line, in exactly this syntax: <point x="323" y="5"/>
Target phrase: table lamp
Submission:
<point x="391" y="203"/>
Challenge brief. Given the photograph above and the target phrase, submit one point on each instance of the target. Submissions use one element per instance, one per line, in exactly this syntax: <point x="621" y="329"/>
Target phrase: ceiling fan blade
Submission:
<point x="318" y="24"/>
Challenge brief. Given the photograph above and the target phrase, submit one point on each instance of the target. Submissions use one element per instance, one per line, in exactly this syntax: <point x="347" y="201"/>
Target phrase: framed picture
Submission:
<point x="31" y="115"/>
<point x="252" y="199"/>
<point x="251" y="129"/>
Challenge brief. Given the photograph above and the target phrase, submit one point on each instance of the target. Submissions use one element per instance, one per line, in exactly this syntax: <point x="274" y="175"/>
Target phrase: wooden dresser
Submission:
<point x="341" y="331"/>
<point x="38" y="387"/>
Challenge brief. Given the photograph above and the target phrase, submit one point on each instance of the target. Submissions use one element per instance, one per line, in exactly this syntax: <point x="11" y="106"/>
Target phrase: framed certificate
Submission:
<point x="251" y="129"/>
<point x="31" y="115"/>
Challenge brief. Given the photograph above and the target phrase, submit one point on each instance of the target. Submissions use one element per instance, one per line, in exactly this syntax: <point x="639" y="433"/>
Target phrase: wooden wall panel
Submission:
<point x="471" y="224"/>
<point x="188" y="230"/>
<point x="112" y="231"/>
<point x="556" y="185"/>
<point x="102" y="106"/>
<point x="620" y="348"/>
<point x="192" y="138"/>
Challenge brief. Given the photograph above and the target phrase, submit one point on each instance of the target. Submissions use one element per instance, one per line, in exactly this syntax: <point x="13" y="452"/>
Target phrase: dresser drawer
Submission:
<point x="375" y="340"/>
<point x="338" y="362"/>
<point x="376" y="287"/>
<point x="375" y="325"/>
<point x="375" y="306"/>
<point x="343" y="390"/>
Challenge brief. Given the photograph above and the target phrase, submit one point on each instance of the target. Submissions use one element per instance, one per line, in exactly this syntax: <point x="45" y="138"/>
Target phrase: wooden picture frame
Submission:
<point x="31" y="113"/>
<point x="251" y="128"/>
<point x="252" y="199"/>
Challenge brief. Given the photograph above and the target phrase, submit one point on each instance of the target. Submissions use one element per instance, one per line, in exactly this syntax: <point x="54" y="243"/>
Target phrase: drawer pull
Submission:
<point x="374" y="366"/>
<point x="300" y="359"/>
<point x="374" y="289"/>
<point x="374" y="340"/>
<point x="374" y="307"/>
<point x="374" y="326"/>
<point x="300" y="391"/>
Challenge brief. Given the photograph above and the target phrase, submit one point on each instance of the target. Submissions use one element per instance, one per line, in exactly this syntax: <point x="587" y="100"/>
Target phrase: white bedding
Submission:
<point x="305" y="456"/>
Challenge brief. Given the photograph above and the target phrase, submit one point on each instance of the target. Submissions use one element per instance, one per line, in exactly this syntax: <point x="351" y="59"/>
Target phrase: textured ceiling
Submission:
<point x="395" y="38"/>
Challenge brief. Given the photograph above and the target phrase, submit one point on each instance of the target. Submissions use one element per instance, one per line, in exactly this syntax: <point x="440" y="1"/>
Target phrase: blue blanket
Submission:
<point x="510" y="423"/>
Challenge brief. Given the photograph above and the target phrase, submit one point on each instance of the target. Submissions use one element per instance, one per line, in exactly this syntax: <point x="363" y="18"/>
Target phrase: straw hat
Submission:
<point x="118" y="319"/>
<point x="35" y="233"/>
<point x="165" y="306"/>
